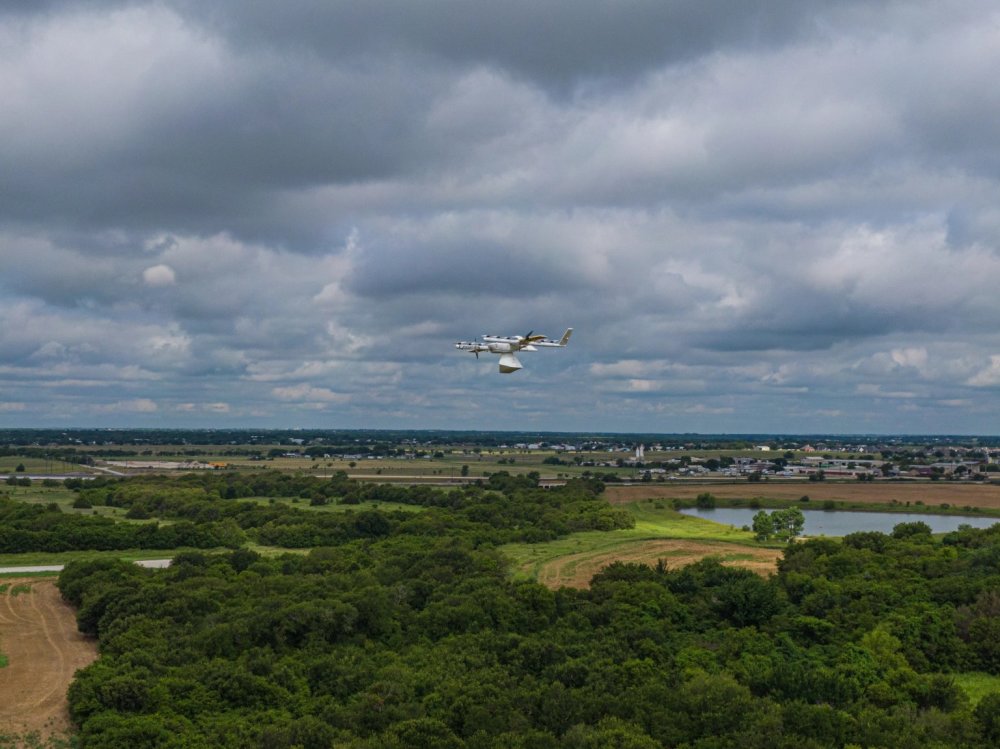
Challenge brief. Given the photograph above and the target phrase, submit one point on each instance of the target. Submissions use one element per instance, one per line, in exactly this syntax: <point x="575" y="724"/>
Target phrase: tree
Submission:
<point x="610" y="732"/>
<point x="20" y="468"/>
<point x="788" y="523"/>
<point x="987" y="714"/>
<point x="906" y="530"/>
<point x="705" y="501"/>
<point x="763" y="525"/>
<point x="747" y="601"/>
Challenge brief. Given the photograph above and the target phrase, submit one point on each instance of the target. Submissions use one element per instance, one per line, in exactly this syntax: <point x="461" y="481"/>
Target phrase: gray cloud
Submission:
<point x="757" y="217"/>
<point x="557" y="43"/>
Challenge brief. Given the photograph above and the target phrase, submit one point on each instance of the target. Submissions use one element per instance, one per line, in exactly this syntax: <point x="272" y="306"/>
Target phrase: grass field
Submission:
<point x="659" y="533"/>
<point x="37" y="494"/>
<point x="977" y="685"/>
<point x="303" y="504"/>
<point x="9" y="464"/>
<point x="36" y="558"/>
<point x="926" y="495"/>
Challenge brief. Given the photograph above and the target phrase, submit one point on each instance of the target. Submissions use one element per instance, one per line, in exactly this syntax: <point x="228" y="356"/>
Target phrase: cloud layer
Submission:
<point x="781" y="217"/>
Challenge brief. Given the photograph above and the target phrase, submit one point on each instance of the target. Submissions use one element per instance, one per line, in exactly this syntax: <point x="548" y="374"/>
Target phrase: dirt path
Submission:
<point x="575" y="570"/>
<point x="44" y="649"/>
<point x="878" y="492"/>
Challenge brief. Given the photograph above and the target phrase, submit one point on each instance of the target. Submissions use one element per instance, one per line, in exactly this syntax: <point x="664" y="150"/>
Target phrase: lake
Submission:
<point x="842" y="522"/>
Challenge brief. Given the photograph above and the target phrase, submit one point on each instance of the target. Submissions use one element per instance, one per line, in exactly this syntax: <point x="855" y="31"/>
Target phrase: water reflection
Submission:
<point x="842" y="522"/>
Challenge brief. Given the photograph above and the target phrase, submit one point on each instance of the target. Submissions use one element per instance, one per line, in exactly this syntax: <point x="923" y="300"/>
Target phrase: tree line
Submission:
<point x="204" y="512"/>
<point x="414" y="633"/>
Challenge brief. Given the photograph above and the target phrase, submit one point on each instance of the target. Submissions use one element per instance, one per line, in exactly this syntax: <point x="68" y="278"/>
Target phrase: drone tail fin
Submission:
<point x="565" y="339"/>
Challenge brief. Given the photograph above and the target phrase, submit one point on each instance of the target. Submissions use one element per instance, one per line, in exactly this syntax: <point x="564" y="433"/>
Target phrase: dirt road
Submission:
<point x="38" y="636"/>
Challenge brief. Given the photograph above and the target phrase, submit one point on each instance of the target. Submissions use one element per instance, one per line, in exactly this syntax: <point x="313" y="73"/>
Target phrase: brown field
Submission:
<point x="935" y="493"/>
<point x="575" y="570"/>
<point x="44" y="649"/>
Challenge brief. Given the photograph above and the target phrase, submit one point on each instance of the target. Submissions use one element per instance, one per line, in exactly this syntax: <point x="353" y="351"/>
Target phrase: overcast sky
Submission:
<point x="776" y="216"/>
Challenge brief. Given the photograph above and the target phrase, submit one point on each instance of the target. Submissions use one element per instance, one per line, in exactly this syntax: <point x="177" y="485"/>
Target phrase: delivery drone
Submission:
<point x="507" y="347"/>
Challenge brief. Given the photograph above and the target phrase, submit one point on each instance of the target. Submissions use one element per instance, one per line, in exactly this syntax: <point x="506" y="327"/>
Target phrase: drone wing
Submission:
<point x="550" y="343"/>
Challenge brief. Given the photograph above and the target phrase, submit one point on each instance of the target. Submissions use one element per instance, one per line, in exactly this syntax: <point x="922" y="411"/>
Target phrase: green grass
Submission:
<point x="36" y="494"/>
<point x="383" y="506"/>
<point x="35" y="558"/>
<point x="303" y="504"/>
<point x="651" y="522"/>
<point x="63" y="557"/>
<point x="3" y="661"/>
<point x="977" y="685"/>
<point x="37" y="466"/>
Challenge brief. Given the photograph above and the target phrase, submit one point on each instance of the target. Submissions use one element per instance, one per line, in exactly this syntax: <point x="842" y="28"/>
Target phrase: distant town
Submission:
<point x="466" y="455"/>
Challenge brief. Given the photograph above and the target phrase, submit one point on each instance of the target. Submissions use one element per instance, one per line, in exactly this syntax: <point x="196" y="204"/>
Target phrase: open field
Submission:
<point x="928" y="493"/>
<point x="37" y="494"/>
<point x="659" y="533"/>
<point x="127" y="555"/>
<point x="10" y="463"/>
<point x="303" y="504"/>
<point x="977" y="685"/>
<point x="576" y="570"/>
<point x="44" y="649"/>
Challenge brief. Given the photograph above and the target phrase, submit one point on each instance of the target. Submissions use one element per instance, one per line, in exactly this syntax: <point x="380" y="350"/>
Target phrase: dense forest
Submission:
<point x="409" y="630"/>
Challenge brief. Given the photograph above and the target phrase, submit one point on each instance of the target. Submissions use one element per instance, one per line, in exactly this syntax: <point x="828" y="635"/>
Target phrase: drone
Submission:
<point x="507" y="347"/>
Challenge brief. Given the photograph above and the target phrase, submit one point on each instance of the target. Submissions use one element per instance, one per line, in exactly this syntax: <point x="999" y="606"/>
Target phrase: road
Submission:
<point x="27" y="569"/>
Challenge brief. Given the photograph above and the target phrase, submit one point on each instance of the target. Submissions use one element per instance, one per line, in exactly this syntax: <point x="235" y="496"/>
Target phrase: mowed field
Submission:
<point x="43" y="649"/>
<point x="576" y="570"/>
<point x="929" y="493"/>
<point x="660" y="533"/>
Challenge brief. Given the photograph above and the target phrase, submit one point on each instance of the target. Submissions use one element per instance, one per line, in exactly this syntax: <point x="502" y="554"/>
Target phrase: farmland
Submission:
<point x="39" y="637"/>
<point x="908" y="494"/>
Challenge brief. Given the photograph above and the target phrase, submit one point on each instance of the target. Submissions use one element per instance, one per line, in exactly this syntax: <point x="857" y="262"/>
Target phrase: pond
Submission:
<point x="842" y="522"/>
